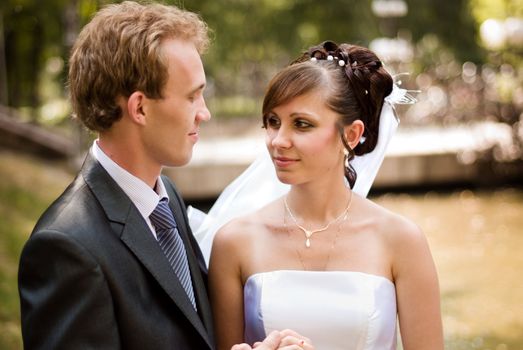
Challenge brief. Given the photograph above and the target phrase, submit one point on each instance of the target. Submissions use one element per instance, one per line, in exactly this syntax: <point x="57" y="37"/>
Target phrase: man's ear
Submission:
<point x="354" y="132"/>
<point x="135" y="104"/>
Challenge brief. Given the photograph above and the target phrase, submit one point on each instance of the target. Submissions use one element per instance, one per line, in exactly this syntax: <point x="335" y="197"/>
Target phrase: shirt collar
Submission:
<point x="143" y="197"/>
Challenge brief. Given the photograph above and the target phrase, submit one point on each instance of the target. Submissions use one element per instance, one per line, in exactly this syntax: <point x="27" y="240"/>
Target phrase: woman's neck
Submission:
<point x="317" y="203"/>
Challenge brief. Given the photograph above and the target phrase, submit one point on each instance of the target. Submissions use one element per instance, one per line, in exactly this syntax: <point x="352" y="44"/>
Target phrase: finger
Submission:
<point x="290" y="332"/>
<point x="306" y="345"/>
<point x="271" y="342"/>
<point x="301" y="346"/>
<point x="291" y="342"/>
<point x="291" y="347"/>
<point x="241" y="347"/>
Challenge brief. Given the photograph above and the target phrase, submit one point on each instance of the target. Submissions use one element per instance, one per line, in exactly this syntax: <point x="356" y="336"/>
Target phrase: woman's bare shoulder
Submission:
<point x="394" y="227"/>
<point x="243" y="229"/>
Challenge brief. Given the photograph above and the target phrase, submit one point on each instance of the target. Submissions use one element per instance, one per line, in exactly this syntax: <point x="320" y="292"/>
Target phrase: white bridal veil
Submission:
<point x="258" y="184"/>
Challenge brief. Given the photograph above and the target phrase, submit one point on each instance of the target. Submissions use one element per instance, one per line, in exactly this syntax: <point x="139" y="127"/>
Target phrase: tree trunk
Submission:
<point x="35" y="69"/>
<point x="3" y="70"/>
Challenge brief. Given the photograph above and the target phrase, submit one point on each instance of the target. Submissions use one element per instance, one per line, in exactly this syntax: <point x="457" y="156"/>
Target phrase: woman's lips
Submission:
<point x="284" y="162"/>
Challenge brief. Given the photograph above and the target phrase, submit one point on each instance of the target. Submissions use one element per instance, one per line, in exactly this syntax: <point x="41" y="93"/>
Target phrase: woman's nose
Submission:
<point x="281" y="138"/>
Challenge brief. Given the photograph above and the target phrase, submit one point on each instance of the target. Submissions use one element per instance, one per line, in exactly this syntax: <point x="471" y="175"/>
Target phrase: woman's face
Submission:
<point x="303" y="140"/>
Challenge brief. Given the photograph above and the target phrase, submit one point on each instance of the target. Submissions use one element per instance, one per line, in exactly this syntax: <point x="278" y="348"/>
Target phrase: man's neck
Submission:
<point x="131" y="158"/>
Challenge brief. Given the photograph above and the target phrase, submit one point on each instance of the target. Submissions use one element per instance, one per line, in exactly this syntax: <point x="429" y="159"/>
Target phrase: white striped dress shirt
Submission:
<point x="143" y="197"/>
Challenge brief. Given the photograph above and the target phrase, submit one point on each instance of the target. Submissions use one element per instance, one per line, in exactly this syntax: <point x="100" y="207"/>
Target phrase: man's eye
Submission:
<point x="195" y="95"/>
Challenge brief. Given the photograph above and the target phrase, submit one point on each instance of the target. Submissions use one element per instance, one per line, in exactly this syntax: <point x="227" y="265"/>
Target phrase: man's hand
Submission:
<point x="284" y="340"/>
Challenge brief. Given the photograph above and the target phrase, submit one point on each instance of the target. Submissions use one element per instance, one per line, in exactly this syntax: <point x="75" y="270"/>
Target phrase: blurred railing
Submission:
<point x="417" y="157"/>
<point x="32" y="138"/>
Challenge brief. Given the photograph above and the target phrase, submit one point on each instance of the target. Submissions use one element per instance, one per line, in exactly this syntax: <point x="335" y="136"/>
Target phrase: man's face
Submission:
<point x="172" y="122"/>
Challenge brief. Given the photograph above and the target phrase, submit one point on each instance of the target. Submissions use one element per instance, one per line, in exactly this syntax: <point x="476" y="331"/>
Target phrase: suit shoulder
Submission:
<point x="76" y="214"/>
<point x="64" y="207"/>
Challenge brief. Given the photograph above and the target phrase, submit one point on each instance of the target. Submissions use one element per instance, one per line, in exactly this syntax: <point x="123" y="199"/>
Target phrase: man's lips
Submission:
<point x="194" y="135"/>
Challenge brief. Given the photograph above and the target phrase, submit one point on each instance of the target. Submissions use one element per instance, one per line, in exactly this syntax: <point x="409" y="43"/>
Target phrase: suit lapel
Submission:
<point x="137" y="237"/>
<point x="147" y="250"/>
<point x="197" y="266"/>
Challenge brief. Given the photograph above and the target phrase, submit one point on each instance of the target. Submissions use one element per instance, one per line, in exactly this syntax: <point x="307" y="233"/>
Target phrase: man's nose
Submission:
<point x="203" y="113"/>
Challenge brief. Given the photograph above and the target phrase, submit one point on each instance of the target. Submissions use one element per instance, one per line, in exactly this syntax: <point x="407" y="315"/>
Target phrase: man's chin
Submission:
<point x="178" y="162"/>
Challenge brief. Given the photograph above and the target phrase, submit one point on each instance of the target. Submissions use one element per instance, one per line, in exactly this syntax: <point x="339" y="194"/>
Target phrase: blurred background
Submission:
<point x="455" y="166"/>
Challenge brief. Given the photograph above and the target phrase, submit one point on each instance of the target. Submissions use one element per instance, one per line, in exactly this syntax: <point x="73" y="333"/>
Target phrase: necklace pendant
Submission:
<point x="308" y="242"/>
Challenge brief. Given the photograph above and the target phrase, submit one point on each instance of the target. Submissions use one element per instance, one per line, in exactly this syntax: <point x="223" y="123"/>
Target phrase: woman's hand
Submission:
<point x="284" y="340"/>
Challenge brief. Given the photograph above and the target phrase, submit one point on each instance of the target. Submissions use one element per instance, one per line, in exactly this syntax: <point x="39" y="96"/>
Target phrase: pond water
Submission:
<point x="476" y="239"/>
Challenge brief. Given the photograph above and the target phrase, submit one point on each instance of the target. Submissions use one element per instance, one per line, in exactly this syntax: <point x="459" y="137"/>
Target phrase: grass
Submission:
<point x="27" y="187"/>
<point x="475" y="237"/>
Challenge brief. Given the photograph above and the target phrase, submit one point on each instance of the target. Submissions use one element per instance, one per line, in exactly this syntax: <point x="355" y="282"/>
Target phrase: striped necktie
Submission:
<point x="172" y="245"/>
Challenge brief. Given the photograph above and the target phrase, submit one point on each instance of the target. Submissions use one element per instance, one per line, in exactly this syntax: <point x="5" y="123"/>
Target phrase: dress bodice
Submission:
<point x="335" y="309"/>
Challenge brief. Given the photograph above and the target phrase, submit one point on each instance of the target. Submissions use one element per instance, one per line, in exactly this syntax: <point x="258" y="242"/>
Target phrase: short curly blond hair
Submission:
<point x="119" y="52"/>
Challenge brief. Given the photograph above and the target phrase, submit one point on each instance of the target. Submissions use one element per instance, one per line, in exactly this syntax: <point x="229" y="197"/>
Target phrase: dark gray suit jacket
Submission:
<point x="92" y="276"/>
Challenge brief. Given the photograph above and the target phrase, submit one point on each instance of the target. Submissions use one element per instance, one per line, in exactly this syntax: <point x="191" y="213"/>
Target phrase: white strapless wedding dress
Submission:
<point x="335" y="309"/>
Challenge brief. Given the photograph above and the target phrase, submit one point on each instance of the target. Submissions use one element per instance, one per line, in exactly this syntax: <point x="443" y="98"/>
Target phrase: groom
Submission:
<point x="112" y="263"/>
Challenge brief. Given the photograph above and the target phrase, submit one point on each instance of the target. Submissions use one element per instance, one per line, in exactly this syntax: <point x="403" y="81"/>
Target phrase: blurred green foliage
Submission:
<point x="252" y="39"/>
<point x="499" y="9"/>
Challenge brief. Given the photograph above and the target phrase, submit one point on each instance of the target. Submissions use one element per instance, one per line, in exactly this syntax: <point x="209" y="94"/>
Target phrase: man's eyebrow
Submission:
<point x="200" y="87"/>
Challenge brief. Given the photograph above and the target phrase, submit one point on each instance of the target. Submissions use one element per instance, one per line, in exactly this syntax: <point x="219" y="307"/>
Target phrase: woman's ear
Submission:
<point x="353" y="133"/>
<point x="135" y="107"/>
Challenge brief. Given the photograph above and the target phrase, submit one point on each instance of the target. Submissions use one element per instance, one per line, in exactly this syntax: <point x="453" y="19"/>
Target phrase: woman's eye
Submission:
<point x="273" y="122"/>
<point x="302" y="124"/>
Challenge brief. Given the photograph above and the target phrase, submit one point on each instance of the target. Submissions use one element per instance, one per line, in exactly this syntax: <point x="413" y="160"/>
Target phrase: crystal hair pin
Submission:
<point x="341" y="63"/>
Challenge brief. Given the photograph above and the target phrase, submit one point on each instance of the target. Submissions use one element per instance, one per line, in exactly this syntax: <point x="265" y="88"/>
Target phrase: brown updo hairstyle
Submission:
<point x="355" y="89"/>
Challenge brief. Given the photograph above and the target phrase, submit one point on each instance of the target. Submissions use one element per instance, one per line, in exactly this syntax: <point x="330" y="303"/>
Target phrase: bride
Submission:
<point x="321" y="259"/>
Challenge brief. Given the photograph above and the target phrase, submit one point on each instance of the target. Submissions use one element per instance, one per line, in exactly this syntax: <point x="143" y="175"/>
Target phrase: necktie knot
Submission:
<point x="162" y="218"/>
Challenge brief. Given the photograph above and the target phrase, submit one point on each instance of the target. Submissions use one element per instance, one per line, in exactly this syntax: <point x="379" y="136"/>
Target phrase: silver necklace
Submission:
<point x="330" y="250"/>
<point x="309" y="233"/>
